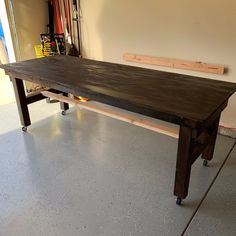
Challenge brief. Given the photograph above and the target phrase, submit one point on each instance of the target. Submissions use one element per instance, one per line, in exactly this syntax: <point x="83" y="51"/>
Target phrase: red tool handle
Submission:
<point x="57" y="16"/>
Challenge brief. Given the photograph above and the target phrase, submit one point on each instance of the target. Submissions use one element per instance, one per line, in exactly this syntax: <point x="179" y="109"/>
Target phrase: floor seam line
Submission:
<point x="208" y="189"/>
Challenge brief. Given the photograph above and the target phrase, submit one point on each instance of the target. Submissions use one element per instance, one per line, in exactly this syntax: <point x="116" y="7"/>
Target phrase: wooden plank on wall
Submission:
<point x="175" y="63"/>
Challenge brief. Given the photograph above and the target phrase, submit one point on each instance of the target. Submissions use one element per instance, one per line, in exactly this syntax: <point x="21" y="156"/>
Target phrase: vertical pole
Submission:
<point x="51" y="17"/>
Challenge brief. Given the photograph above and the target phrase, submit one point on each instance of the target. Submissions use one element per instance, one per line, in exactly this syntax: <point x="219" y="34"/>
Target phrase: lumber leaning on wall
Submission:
<point x="175" y="63"/>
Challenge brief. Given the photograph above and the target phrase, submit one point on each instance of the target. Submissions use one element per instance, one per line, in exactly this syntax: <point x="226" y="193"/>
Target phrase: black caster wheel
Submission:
<point x="63" y="113"/>
<point x="24" y="128"/>
<point x="205" y="163"/>
<point x="179" y="201"/>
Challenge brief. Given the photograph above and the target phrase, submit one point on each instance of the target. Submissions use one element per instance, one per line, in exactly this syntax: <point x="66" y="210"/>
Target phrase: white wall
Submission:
<point x="202" y="30"/>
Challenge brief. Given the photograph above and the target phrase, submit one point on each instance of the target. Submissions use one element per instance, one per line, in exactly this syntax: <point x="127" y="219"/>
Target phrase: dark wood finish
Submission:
<point x="206" y="139"/>
<point x="37" y="96"/>
<point x="34" y="97"/>
<point x="208" y="152"/>
<point x="190" y="147"/>
<point x="24" y="100"/>
<point x="193" y="103"/>
<point x="208" y="122"/>
<point x="21" y="101"/>
<point x="172" y="97"/>
<point x="183" y="163"/>
<point x="64" y="106"/>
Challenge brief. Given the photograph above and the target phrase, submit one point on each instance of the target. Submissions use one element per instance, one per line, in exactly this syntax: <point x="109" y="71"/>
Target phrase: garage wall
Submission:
<point x="202" y="30"/>
<point x="31" y="19"/>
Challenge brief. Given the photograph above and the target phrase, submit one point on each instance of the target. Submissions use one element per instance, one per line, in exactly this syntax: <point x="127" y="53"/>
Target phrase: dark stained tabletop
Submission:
<point x="168" y="96"/>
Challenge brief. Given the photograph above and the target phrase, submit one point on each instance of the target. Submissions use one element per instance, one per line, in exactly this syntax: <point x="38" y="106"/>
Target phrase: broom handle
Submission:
<point x="69" y="18"/>
<point x="77" y="23"/>
<point x="66" y="16"/>
<point x="57" y="14"/>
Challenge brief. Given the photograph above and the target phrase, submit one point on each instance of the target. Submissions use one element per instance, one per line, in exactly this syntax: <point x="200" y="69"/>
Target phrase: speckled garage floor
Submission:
<point x="6" y="90"/>
<point x="89" y="175"/>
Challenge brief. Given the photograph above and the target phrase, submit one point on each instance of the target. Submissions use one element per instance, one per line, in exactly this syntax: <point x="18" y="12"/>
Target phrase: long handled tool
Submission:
<point x="76" y="19"/>
<point x="73" y="50"/>
<point x="57" y="13"/>
<point x="51" y="17"/>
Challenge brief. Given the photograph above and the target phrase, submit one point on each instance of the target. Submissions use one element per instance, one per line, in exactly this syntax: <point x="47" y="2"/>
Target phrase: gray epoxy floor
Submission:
<point x="86" y="174"/>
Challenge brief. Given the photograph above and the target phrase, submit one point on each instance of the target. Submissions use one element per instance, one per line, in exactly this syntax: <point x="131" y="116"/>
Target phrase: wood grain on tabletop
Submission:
<point x="168" y="96"/>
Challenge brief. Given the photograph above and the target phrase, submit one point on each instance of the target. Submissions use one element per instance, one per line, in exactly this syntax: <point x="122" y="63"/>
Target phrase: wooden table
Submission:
<point x="193" y="103"/>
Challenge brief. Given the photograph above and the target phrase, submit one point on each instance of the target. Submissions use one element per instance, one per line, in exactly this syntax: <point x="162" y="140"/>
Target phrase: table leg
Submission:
<point x="208" y="152"/>
<point x="183" y="164"/>
<point x="64" y="106"/>
<point x="21" y="102"/>
<point x="192" y="143"/>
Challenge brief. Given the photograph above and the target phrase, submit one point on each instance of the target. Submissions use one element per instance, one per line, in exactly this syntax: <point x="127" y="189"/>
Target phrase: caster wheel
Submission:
<point x="205" y="163"/>
<point x="24" y="129"/>
<point x="178" y="201"/>
<point x="63" y="113"/>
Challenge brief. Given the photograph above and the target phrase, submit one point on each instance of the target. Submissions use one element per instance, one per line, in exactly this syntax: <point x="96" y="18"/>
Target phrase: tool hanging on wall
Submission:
<point x="73" y="50"/>
<point x="57" y="16"/>
<point x="66" y="16"/>
<point x="50" y="17"/>
<point x="76" y="14"/>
